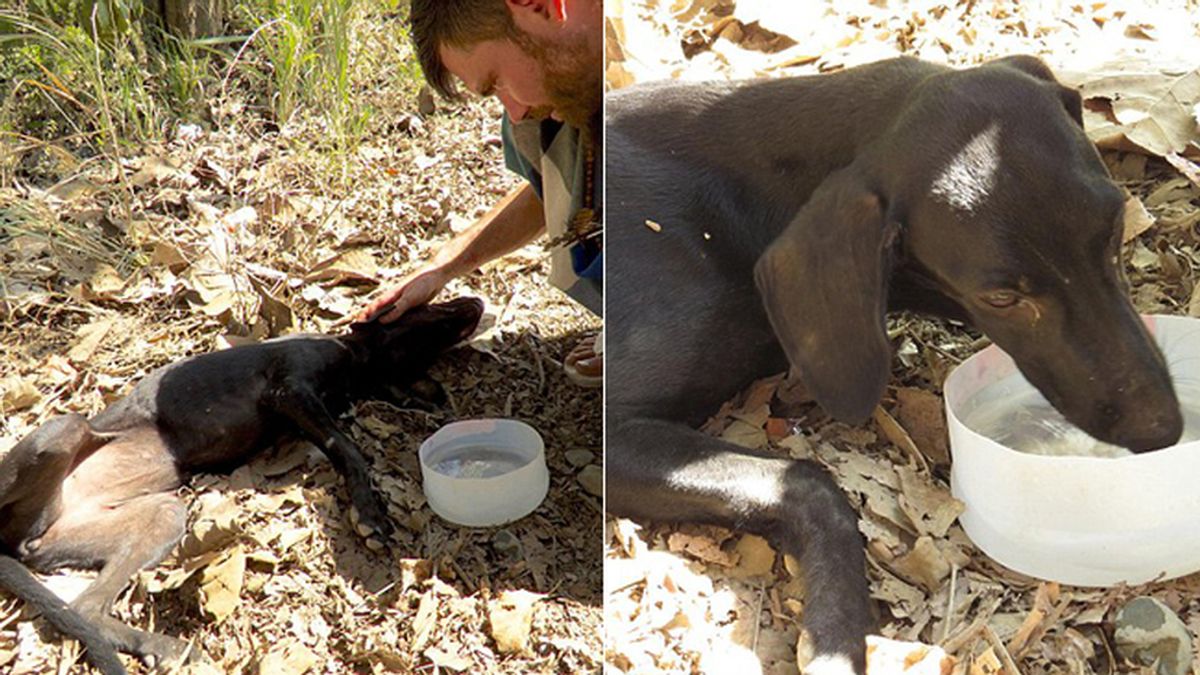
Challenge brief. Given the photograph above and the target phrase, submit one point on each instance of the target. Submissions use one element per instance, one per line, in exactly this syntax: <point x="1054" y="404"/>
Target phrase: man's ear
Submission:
<point x="534" y="16"/>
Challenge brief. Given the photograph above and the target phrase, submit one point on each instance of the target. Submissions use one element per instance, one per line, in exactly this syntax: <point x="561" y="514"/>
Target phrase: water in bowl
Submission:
<point x="479" y="461"/>
<point x="1017" y="417"/>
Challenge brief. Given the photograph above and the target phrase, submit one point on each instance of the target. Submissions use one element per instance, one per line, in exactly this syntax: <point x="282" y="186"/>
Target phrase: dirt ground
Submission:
<point x="705" y="600"/>
<point x="235" y="230"/>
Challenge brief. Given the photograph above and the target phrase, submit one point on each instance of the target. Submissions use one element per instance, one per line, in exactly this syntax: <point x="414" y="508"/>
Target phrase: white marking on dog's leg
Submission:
<point x="969" y="176"/>
<point x="757" y="485"/>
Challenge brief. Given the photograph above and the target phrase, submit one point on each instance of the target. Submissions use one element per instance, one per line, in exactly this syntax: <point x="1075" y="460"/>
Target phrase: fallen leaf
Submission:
<point x="1150" y="105"/>
<point x="986" y="663"/>
<point x="1189" y="169"/>
<point x="89" y="338"/>
<point x="288" y="657"/>
<point x="894" y="657"/>
<point x="755" y="557"/>
<point x="701" y="548"/>
<point x="276" y="313"/>
<point x="353" y="266"/>
<point x="930" y="507"/>
<point x="425" y="620"/>
<point x="414" y="571"/>
<point x="456" y="662"/>
<point x="924" y="565"/>
<point x="897" y="435"/>
<point x="221" y="585"/>
<point x="159" y="171"/>
<point x="745" y="434"/>
<point x="169" y="256"/>
<point x="18" y="393"/>
<point x="511" y="618"/>
<point x="214" y="527"/>
<point x="1137" y="219"/>
<point x="105" y="283"/>
<point x="923" y="415"/>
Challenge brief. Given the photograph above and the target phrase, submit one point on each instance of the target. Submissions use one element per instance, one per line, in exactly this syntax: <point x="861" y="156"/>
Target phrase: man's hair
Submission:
<point x="455" y="23"/>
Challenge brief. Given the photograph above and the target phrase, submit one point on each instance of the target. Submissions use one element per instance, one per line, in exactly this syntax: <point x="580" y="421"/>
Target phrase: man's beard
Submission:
<point x="572" y="78"/>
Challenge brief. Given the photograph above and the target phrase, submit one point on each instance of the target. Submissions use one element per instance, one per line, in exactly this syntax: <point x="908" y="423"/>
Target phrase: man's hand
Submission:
<point x="415" y="289"/>
<point x="514" y="221"/>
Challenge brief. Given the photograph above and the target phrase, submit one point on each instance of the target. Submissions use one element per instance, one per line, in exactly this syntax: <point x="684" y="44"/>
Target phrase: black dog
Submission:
<point x="969" y="194"/>
<point x="102" y="493"/>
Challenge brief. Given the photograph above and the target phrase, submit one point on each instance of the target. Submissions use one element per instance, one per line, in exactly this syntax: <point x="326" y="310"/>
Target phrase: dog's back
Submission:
<point x="210" y="407"/>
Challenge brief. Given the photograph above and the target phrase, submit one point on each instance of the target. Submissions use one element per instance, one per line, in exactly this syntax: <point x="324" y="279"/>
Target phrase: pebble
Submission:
<point x="1148" y="631"/>
<point x="592" y="479"/>
<point x="426" y="104"/>
<point x="506" y="544"/>
<point x="580" y="457"/>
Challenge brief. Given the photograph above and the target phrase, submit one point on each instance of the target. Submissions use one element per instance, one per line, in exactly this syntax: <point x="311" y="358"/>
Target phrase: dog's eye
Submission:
<point x="1001" y="299"/>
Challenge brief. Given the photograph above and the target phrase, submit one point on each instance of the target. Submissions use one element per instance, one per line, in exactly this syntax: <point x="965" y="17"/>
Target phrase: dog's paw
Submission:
<point x="165" y="653"/>
<point x="372" y="525"/>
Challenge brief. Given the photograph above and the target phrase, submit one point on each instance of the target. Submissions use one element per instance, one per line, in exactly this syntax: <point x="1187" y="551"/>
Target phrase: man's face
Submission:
<point x="534" y="77"/>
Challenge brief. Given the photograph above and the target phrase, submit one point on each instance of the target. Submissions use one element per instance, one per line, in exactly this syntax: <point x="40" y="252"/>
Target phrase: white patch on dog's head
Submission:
<point x="834" y="664"/>
<point x="970" y="175"/>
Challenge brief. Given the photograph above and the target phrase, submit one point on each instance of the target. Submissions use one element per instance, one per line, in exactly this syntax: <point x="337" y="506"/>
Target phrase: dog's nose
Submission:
<point x="1149" y="430"/>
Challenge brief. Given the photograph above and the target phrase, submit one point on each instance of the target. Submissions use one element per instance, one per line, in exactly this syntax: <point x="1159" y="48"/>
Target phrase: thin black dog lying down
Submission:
<point x="970" y="194"/>
<point x="102" y="493"/>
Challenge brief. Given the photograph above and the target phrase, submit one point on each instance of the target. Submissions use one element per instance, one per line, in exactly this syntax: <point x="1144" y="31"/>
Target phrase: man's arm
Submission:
<point x="514" y="221"/>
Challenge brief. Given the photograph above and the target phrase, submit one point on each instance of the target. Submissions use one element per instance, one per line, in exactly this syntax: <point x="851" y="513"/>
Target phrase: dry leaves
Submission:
<point x="235" y="236"/>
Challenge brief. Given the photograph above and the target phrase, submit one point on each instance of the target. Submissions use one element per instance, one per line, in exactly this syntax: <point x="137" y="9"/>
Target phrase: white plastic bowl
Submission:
<point x="1085" y="521"/>
<point x="484" y="472"/>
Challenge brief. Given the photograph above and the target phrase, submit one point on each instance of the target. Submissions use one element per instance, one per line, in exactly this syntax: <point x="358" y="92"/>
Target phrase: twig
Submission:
<point x="757" y="619"/>
<point x="241" y="50"/>
<point x="950" y="602"/>
<point x="1010" y="666"/>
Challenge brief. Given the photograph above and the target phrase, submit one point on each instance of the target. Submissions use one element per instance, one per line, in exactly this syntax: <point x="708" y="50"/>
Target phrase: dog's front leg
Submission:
<point x="297" y="402"/>
<point x="667" y="471"/>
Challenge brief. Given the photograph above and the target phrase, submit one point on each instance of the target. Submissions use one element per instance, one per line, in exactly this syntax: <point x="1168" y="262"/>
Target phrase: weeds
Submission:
<point x="106" y="74"/>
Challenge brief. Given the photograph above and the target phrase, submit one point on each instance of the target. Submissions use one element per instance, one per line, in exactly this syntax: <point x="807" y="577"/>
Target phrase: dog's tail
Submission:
<point x="16" y="579"/>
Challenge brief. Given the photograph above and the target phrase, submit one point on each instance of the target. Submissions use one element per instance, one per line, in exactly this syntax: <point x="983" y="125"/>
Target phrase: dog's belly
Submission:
<point x="136" y="463"/>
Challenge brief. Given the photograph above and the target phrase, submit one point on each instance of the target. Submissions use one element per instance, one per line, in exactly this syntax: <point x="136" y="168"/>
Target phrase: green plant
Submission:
<point x="346" y="120"/>
<point x="85" y="81"/>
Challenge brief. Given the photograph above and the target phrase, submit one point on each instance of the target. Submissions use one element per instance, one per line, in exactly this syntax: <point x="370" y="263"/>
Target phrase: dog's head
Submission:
<point x="987" y="199"/>
<point x="405" y="348"/>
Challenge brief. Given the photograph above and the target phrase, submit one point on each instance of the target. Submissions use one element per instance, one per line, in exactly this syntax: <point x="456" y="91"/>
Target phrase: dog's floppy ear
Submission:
<point x="1034" y="66"/>
<point x="824" y="283"/>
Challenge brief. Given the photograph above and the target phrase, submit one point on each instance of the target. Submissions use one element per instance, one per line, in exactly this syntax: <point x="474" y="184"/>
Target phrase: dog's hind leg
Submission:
<point x="667" y="471"/>
<point x="123" y="538"/>
<point x="32" y="473"/>
<point x="299" y="404"/>
<point x="31" y="476"/>
<point x="15" y="578"/>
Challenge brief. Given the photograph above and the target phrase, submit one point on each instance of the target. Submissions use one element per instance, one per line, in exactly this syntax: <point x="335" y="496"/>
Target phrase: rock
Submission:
<point x="580" y="457"/>
<point x="1147" y="631"/>
<point x="426" y="105"/>
<point x="592" y="479"/>
<point x="410" y="124"/>
<point x="506" y="544"/>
